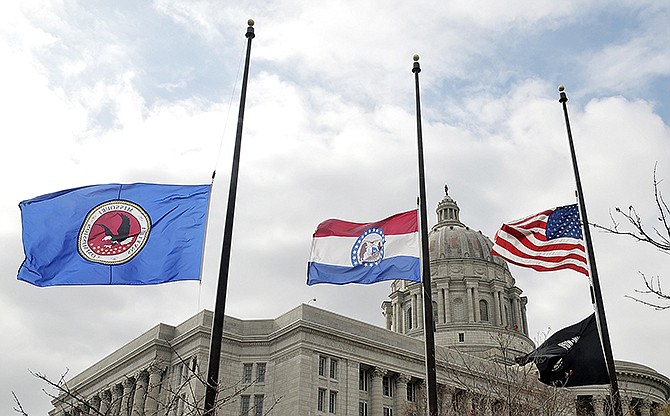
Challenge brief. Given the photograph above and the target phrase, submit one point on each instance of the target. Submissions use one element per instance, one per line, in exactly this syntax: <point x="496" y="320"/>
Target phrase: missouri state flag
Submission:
<point x="549" y="240"/>
<point x="348" y="252"/>
<point x="114" y="234"/>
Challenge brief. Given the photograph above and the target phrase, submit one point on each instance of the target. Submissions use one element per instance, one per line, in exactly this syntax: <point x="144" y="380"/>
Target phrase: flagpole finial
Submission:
<point x="416" y="68"/>
<point x="250" y="29"/>
<point x="563" y="97"/>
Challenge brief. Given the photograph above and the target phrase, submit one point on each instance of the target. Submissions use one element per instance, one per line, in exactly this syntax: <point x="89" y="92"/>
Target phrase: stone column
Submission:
<point x="440" y="306"/>
<point x="415" y="311"/>
<point x="475" y="302"/>
<point x="516" y="308"/>
<point x="389" y="317"/>
<point x="151" y="404"/>
<point x="524" y="319"/>
<point x="117" y="398"/>
<point x="401" y="390"/>
<point x="126" y="399"/>
<point x="105" y="401"/>
<point x="94" y="402"/>
<point x="396" y="328"/>
<point x="447" y="303"/>
<point x="446" y="400"/>
<point x="419" y="310"/>
<point x="495" y="312"/>
<point x="468" y="303"/>
<point x="376" y="392"/>
<point x="140" y="395"/>
<point x="598" y="403"/>
<point x="645" y="407"/>
<point x="626" y="402"/>
<point x="501" y="305"/>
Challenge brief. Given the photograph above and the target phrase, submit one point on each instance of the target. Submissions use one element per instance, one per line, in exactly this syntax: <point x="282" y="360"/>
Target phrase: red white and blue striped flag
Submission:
<point x="550" y="240"/>
<point x="348" y="252"/>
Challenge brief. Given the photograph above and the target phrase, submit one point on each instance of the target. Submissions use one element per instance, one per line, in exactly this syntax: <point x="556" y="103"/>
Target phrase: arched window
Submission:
<point x="408" y="321"/>
<point x="483" y="310"/>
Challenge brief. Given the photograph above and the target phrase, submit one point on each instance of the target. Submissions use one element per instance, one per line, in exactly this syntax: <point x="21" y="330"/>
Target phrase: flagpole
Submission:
<point x="428" y="324"/>
<point x="222" y="287"/>
<point x="596" y="295"/>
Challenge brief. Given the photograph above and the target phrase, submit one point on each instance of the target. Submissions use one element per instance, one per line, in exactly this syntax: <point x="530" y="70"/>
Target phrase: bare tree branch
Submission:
<point x="19" y="408"/>
<point x="656" y="236"/>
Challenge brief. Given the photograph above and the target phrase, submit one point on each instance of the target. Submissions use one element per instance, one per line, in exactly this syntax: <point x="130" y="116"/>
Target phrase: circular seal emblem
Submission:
<point x="368" y="250"/>
<point x="113" y="232"/>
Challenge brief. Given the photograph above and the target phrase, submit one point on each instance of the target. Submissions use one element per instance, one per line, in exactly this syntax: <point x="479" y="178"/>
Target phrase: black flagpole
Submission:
<point x="428" y="324"/>
<point x="596" y="295"/>
<point x="220" y="305"/>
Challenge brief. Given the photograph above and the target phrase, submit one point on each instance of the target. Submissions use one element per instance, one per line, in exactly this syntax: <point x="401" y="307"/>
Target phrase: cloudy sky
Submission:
<point x="101" y="92"/>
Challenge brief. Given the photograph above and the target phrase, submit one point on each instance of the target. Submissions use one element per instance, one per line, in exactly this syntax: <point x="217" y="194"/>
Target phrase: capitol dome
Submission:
<point x="476" y="302"/>
<point x="451" y="239"/>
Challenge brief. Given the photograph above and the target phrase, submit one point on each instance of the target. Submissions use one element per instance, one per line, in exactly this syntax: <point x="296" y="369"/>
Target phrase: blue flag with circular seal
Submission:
<point x="114" y="234"/>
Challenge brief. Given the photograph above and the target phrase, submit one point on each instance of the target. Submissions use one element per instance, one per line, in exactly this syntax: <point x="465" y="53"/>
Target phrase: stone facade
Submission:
<point x="301" y="363"/>
<point x="309" y="361"/>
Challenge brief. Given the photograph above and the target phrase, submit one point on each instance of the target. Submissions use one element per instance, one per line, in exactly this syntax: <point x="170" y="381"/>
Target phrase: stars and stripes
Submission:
<point x="550" y="240"/>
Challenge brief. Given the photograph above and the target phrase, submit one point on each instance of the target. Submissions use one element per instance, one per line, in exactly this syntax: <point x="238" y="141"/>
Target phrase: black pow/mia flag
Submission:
<point x="571" y="357"/>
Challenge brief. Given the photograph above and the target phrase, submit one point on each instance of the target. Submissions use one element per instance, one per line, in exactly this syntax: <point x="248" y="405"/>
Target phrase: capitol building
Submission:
<point x="312" y="362"/>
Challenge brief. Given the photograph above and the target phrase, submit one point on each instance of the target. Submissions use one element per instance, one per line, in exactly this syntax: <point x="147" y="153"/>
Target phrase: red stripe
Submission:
<point x="402" y="223"/>
<point x="523" y="239"/>
<point x="575" y="254"/>
<point x="540" y="268"/>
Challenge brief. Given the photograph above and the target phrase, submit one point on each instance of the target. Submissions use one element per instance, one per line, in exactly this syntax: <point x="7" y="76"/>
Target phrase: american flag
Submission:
<point x="550" y="240"/>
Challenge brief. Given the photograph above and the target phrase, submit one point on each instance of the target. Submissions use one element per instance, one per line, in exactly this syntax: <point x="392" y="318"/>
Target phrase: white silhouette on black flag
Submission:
<point x="571" y="357"/>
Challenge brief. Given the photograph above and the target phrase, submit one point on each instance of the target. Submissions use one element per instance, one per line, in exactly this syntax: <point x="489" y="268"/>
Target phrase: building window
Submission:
<point x="321" y="400"/>
<point x="411" y="392"/>
<point x="483" y="310"/>
<point x="247" y="372"/>
<point x="461" y="337"/>
<point x="363" y="377"/>
<point x="258" y="405"/>
<point x="362" y="408"/>
<point x="332" y="402"/>
<point x="322" y="365"/>
<point x="388" y="411"/>
<point x="387" y="386"/>
<point x="333" y="368"/>
<point x="244" y="408"/>
<point x="260" y="372"/>
<point x="409" y="318"/>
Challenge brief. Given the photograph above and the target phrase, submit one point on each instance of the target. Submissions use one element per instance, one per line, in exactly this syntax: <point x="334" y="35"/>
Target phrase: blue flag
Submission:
<point x="116" y="234"/>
